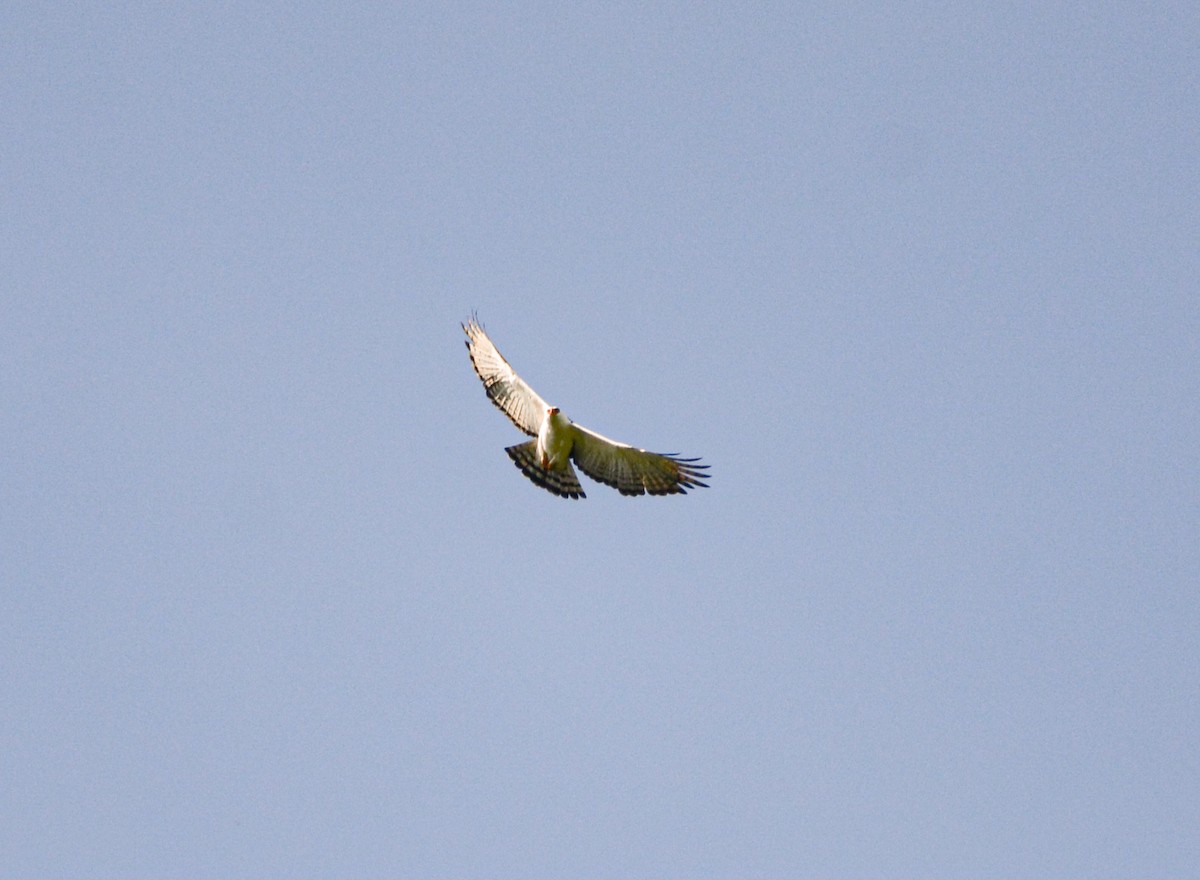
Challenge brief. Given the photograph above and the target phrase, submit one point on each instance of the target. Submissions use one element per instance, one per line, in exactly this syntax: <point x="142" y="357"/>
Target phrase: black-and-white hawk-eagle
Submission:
<point x="546" y="460"/>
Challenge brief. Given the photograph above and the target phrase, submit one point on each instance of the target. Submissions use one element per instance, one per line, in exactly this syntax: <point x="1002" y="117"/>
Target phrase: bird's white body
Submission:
<point x="554" y="440"/>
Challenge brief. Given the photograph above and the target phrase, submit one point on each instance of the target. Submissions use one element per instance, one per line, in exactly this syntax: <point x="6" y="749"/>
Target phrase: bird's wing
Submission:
<point x="634" y="471"/>
<point x="505" y="388"/>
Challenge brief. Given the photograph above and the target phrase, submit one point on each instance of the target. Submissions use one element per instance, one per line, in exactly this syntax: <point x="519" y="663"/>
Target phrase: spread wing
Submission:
<point x="634" y="471"/>
<point x="505" y="388"/>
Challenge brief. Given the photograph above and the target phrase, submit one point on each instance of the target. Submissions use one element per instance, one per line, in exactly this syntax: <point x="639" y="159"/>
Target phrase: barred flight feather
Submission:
<point x="562" y="482"/>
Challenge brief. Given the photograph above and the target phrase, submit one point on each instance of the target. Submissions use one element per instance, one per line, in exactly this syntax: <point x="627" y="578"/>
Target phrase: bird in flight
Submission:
<point x="546" y="460"/>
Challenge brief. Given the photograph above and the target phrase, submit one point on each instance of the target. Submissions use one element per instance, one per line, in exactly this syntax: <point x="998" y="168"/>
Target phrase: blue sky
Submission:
<point x="919" y="282"/>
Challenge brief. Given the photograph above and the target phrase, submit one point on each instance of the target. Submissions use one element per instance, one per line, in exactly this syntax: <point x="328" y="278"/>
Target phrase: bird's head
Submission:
<point x="552" y="410"/>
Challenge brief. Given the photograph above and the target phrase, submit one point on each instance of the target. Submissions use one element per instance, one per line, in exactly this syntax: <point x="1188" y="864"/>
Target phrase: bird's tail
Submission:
<point x="561" y="481"/>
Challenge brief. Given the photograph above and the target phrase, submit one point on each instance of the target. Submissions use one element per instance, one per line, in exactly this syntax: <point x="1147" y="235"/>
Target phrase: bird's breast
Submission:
<point x="554" y="440"/>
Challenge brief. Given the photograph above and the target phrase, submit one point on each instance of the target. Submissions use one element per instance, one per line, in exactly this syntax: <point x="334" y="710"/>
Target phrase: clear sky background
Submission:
<point x="918" y="281"/>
